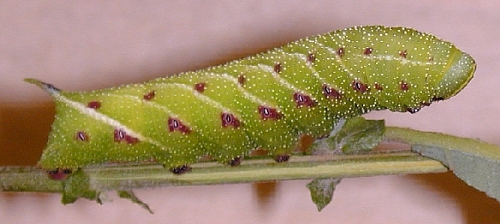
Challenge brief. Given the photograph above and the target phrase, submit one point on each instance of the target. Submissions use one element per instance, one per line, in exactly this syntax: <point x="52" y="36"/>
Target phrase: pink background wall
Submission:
<point x="96" y="44"/>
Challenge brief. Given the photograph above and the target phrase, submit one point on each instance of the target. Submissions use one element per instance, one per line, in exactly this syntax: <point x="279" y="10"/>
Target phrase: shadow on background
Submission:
<point x="23" y="132"/>
<point x="265" y="192"/>
<point x="476" y="206"/>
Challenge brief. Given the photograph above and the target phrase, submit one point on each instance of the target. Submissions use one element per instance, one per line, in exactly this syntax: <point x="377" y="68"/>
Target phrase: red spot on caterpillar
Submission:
<point x="200" y="87"/>
<point x="131" y="140"/>
<point x="268" y="113"/>
<point x="59" y="174"/>
<point x="119" y="135"/>
<point x="175" y="124"/>
<point x="311" y="57"/>
<point x="229" y="120"/>
<point x="368" y="51"/>
<point x="430" y="59"/>
<point x="340" y="52"/>
<point x="330" y="92"/>
<point x="242" y="79"/>
<point x="378" y="86"/>
<point x="277" y="67"/>
<point x="150" y="95"/>
<point x="403" y="54"/>
<point x="404" y="86"/>
<point x="303" y="100"/>
<point x="94" y="105"/>
<point x="358" y="86"/>
<point x="81" y="136"/>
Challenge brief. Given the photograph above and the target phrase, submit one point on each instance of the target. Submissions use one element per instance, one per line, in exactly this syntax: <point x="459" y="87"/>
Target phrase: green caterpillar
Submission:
<point x="267" y="101"/>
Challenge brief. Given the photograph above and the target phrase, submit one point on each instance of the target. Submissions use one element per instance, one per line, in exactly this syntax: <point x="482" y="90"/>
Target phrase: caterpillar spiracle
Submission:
<point x="266" y="101"/>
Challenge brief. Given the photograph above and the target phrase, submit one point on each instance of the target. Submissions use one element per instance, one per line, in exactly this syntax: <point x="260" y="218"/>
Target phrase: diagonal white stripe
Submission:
<point x="103" y="118"/>
<point x="200" y="96"/>
<point x="278" y="78"/>
<point x="245" y="92"/>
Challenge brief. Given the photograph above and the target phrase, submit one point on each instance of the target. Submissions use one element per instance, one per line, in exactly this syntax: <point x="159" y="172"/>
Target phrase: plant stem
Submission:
<point x="299" y="167"/>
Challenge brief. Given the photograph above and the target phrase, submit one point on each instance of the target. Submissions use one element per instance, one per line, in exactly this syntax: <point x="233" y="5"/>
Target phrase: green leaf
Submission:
<point x="476" y="163"/>
<point x="76" y="186"/>
<point x="358" y="135"/>
<point x="322" y="191"/>
<point x="128" y="194"/>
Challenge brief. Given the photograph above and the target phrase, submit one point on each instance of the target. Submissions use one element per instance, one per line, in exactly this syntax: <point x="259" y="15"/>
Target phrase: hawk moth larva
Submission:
<point x="265" y="101"/>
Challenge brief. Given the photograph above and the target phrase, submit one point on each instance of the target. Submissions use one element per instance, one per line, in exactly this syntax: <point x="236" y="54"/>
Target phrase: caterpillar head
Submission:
<point x="457" y="76"/>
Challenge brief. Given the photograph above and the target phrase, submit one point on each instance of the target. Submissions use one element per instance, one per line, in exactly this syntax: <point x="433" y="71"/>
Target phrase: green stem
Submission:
<point x="299" y="167"/>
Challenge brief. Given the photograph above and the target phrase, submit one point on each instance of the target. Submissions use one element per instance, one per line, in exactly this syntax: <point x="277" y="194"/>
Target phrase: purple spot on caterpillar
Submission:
<point x="277" y="67"/>
<point x="119" y="135"/>
<point x="340" y="52"/>
<point x="59" y="174"/>
<point x="368" y="51"/>
<point x="331" y="92"/>
<point x="236" y="161"/>
<point x="241" y="79"/>
<point x="303" y="100"/>
<point x="268" y="113"/>
<point x="82" y="136"/>
<point x="200" y="87"/>
<point x="311" y="58"/>
<point x="403" y="54"/>
<point x="150" y="95"/>
<point x="94" y="105"/>
<point x="180" y="169"/>
<point x="378" y="86"/>
<point x="229" y="120"/>
<point x="176" y="125"/>
<point x="358" y="86"/>
<point x="404" y="86"/>
<point x="131" y="140"/>
<point x="281" y="158"/>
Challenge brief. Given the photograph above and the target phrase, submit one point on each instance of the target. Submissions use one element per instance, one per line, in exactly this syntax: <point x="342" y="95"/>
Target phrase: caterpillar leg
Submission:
<point x="236" y="161"/>
<point x="280" y="158"/>
<point x="181" y="169"/>
<point x="59" y="174"/>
